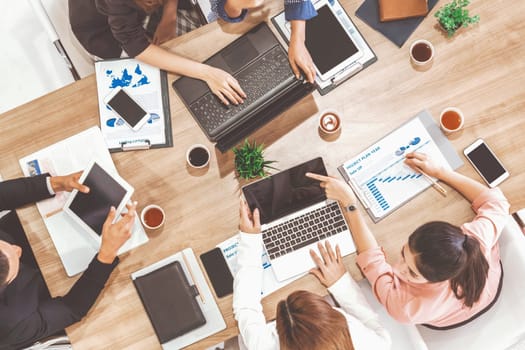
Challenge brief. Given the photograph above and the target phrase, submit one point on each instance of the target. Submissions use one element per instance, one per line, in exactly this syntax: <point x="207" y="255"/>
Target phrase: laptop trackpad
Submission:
<point x="240" y="54"/>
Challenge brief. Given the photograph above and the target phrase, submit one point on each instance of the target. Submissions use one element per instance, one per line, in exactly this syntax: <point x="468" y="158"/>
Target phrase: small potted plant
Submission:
<point x="249" y="161"/>
<point x="454" y="15"/>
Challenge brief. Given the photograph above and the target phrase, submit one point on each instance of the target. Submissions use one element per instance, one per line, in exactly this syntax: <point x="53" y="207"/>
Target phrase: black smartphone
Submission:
<point x="218" y="272"/>
<point x="127" y="108"/>
<point x="486" y="163"/>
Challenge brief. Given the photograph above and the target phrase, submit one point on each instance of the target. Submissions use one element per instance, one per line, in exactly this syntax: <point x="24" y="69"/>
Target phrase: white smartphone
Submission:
<point x="486" y="163"/>
<point x="127" y="108"/>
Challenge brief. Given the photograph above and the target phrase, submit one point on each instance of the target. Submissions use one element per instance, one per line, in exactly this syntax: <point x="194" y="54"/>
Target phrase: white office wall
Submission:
<point x="29" y="63"/>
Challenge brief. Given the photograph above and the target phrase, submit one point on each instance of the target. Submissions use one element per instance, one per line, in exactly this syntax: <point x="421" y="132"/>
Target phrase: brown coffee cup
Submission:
<point x="329" y="121"/>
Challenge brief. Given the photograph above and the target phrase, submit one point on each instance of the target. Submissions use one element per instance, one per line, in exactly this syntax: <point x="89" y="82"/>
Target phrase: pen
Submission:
<point x="192" y="278"/>
<point x="437" y="186"/>
<point x="53" y="212"/>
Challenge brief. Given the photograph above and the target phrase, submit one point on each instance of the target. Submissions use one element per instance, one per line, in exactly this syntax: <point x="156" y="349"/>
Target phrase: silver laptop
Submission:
<point x="295" y="215"/>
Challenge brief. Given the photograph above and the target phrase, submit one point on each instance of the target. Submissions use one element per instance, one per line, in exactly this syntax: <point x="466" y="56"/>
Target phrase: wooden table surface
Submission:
<point x="481" y="71"/>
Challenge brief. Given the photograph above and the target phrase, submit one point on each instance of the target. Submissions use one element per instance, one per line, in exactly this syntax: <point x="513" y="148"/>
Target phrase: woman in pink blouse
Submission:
<point x="448" y="275"/>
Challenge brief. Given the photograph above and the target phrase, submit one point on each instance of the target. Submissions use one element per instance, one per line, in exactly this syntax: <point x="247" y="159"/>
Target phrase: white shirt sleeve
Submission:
<point x="49" y="187"/>
<point x="247" y="287"/>
<point x="352" y="301"/>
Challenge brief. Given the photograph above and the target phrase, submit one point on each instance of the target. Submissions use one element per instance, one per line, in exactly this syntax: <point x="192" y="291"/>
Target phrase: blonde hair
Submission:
<point x="306" y="321"/>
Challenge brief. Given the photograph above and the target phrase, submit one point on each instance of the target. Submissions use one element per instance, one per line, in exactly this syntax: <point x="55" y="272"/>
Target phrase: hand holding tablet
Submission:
<point x="90" y="210"/>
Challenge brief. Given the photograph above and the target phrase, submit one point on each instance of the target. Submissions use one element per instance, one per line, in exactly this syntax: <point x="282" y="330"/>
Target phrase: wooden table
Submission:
<point x="481" y="71"/>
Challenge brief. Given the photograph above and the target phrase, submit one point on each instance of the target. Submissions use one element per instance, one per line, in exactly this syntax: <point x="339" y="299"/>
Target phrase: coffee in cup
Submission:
<point x="451" y="119"/>
<point x="198" y="156"/>
<point x="329" y="122"/>
<point x="152" y="216"/>
<point x="421" y="53"/>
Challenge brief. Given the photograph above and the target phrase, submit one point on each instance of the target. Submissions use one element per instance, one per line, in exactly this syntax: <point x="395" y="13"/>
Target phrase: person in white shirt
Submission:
<point x="304" y="320"/>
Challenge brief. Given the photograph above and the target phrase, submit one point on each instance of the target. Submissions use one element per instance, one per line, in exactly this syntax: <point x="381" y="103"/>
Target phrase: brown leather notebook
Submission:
<point x="391" y="10"/>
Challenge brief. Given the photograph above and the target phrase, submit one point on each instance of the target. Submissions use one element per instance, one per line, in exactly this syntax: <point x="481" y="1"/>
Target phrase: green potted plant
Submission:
<point x="249" y="161"/>
<point x="454" y="15"/>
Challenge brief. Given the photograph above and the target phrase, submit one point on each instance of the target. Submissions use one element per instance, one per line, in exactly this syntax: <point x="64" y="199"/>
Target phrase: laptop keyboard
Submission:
<point x="304" y="230"/>
<point x="257" y="79"/>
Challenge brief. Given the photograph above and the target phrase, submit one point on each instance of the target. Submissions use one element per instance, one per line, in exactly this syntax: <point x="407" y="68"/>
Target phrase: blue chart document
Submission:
<point x="147" y="85"/>
<point x="379" y="176"/>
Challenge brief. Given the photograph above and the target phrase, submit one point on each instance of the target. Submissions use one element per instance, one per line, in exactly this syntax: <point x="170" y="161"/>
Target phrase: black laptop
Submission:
<point x="260" y="64"/>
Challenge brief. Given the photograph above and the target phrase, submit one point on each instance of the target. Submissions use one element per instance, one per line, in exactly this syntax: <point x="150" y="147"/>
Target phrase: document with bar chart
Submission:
<point x="379" y="176"/>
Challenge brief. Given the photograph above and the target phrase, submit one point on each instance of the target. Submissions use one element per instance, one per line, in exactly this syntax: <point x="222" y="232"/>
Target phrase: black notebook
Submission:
<point x="170" y="301"/>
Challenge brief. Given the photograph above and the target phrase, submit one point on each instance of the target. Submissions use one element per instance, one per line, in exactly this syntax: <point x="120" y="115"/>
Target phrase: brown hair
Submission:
<point x="306" y="321"/>
<point x="149" y="5"/>
<point x="443" y="252"/>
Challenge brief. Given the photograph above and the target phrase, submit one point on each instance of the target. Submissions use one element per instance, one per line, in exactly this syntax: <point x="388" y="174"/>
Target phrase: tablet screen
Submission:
<point x="327" y="41"/>
<point x="104" y="192"/>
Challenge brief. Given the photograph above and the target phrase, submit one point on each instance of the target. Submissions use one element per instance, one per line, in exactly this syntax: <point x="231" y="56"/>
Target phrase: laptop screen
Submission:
<point x="286" y="192"/>
<point x="322" y="32"/>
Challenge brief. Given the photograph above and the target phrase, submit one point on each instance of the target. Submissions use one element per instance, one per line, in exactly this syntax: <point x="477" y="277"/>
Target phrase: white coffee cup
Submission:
<point x="421" y="53"/>
<point x="198" y="156"/>
<point x="152" y="217"/>
<point x="451" y="120"/>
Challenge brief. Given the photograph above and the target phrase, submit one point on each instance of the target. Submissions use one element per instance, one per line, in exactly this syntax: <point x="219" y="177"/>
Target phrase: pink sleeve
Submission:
<point x="492" y="212"/>
<point x="388" y="288"/>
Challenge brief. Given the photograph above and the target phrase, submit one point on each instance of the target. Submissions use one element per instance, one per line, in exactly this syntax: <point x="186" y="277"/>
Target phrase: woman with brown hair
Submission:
<point x="304" y="320"/>
<point x="136" y="28"/>
<point x="448" y="275"/>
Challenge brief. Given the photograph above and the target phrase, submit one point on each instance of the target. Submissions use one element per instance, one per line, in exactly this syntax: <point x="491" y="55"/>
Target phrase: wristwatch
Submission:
<point x="350" y="207"/>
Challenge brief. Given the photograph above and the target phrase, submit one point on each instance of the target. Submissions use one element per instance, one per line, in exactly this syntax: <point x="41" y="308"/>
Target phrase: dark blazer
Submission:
<point x="27" y="312"/>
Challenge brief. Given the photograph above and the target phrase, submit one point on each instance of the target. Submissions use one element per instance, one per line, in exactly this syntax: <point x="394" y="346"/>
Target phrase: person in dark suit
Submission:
<point x="27" y="312"/>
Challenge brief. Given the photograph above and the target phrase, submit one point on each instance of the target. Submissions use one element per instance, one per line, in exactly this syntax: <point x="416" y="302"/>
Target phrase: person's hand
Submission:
<point x="224" y="86"/>
<point x="422" y="162"/>
<point x="166" y="30"/>
<point x="335" y="189"/>
<point x="330" y="266"/>
<point x="68" y="183"/>
<point x="300" y="59"/>
<point x="249" y="222"/>
<point x="298" y="55"/>
<point x="233" y="8"/>
<point x="114" y="235"/>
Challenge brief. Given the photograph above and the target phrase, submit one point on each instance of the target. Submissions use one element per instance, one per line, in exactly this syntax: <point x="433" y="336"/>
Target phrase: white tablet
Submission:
<point x="90" y="210"/>
<point x="329" y="43"/>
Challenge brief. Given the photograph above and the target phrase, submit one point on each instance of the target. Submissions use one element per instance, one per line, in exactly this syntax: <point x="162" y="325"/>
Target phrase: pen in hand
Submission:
<point x="434" y="183"/>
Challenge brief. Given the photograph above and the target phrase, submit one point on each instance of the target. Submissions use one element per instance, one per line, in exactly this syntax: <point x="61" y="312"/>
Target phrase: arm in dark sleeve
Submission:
<point x="56" y="314"/>
<point x="85" y="292"/>
<point x="19" y="192"/>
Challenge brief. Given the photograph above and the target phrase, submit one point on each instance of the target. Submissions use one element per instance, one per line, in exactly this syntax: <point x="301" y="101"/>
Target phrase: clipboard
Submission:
<point x="368" y="57"/>
<point x="378" y="176"/>
<point x="147" y="84"/>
